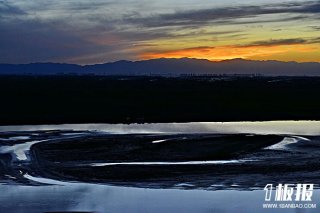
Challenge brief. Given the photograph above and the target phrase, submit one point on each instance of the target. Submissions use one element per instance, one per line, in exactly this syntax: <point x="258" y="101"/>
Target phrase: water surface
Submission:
<point x="52" y="168"/>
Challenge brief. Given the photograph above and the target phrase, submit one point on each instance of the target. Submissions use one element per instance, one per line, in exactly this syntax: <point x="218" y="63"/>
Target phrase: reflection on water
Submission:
<point x="266" y="127"/>
<point x="293" y="152"/>
<point x="103" y="199"/>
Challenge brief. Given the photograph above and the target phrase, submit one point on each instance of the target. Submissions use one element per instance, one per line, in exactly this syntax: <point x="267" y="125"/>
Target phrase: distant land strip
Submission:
<point x="108" y="99"/>
<point x="168" y="67"/>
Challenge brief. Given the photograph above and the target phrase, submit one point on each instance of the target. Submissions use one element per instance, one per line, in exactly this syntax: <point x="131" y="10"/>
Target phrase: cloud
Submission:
<point x="27" y="41"/>
<point x="315" y="28"/>
<point x="280" y="42"/>
<point x="277" y="42"/>
<point x="230" y="14"/>
<point x="314" y="40"/>
<point x="7" y="9"/>
<point x="99" y="31"/>
<point x="46" y="37"/>
<point x="257" y="49"/>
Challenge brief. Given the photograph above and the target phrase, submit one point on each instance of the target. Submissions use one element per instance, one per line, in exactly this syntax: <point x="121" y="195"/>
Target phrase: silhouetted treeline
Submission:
<point x="92" y="99"/>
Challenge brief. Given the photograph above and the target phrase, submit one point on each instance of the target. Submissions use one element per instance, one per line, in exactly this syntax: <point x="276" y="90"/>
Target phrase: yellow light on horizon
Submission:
<point x="258" y="52"/>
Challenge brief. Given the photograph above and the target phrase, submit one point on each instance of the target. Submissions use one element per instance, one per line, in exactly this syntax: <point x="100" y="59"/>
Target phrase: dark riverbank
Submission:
<point x="184" y="161"/>
<point x="93" y="99"/>
<point x="108" y="159"/>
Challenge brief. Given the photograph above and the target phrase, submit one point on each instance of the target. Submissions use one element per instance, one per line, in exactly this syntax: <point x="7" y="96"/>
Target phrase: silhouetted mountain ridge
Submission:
<point x="169" y="66"/>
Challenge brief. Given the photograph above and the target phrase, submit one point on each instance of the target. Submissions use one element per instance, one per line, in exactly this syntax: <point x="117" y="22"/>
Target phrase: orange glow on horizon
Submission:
<point x="245" y="52"/>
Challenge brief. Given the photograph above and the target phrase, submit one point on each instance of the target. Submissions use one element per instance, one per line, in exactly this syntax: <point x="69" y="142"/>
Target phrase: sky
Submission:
<point x="96" y="31"/>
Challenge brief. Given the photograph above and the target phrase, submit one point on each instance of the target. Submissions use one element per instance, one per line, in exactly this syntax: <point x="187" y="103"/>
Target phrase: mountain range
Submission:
<point x="169" y="67"/>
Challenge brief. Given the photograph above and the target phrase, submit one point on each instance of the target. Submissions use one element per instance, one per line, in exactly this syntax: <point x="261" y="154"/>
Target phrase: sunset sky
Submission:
<point x="96" y="31"/>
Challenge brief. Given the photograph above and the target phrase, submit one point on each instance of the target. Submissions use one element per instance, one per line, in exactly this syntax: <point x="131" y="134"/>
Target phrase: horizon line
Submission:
<point x="169" y="58"/>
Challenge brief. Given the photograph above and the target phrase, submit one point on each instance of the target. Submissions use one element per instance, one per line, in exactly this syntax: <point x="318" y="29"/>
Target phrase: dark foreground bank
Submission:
<point x="184" y="161"/>
<point x="93" y="99"/>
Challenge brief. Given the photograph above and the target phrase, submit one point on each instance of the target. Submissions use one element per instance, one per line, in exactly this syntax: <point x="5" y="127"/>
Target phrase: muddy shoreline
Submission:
<point x="183" y="161"/>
